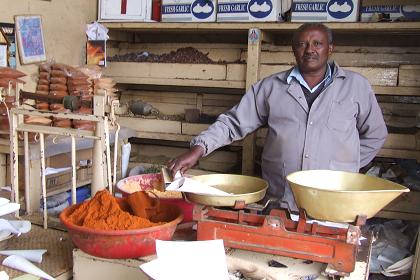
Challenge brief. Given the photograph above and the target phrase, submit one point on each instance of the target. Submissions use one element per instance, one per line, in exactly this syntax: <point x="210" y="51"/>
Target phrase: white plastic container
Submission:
<point x="325" y="11"/>
<point x="189" y="11"/>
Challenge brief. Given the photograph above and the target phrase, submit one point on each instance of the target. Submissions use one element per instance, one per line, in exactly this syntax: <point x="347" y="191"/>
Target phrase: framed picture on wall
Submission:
<point x="30" y="39"/>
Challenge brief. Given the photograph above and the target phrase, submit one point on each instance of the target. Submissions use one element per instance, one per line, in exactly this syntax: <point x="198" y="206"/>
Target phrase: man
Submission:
<point x="319" y="116"/>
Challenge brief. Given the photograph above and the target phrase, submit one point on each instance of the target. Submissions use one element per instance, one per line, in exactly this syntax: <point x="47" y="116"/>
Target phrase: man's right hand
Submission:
<point x="186" y="160"/>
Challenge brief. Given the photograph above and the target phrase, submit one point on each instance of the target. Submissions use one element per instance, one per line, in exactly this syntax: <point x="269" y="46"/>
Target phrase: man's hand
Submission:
<point x="186" y="160"/>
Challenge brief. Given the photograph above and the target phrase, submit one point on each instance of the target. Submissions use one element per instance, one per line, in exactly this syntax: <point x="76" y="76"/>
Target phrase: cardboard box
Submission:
<point x="124" y="10"/>
<point x="389" y="2"/>
<point x="54" y="181"/>
<point x="251" y="10"/>
<point x="392" y="12"/>
<point x="189" y="11"/>
<point x="325" y="11"/>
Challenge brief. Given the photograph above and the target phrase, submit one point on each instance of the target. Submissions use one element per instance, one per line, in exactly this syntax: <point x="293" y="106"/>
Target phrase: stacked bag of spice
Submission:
<point x="80" y="84"/>
<point x="10" y="75"/>
<point x="58" y="87"/>
<point x="106" y="84"/>
<point x="43" y="86"/>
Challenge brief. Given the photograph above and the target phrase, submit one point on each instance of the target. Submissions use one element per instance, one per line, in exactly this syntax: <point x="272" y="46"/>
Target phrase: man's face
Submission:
<point x="311" y="50"/>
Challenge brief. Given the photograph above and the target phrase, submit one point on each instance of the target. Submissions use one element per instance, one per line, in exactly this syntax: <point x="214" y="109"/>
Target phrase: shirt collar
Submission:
<point x="295" y="73"/>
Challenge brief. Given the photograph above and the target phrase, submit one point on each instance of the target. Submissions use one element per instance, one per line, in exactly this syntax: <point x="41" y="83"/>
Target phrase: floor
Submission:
<point x="58" y="260"/>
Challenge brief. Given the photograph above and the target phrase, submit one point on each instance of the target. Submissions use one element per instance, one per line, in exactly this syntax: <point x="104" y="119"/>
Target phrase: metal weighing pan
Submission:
<point x="244" y="188"/>
<point x="340" y="196"/>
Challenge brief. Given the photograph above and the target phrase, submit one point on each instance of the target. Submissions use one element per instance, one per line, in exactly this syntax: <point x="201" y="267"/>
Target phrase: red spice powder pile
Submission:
<point x="103" y="212"/>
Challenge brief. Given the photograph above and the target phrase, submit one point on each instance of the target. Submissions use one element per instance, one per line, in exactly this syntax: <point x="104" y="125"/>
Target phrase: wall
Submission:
<point x="64" y="24"/>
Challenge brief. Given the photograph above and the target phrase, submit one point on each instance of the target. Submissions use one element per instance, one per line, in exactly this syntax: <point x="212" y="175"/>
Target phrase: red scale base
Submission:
<point x="279" y="235"/>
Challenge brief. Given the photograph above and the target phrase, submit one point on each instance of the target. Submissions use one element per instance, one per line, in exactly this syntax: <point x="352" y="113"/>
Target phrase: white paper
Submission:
<point x="96" y="31"/>
<point x="50" y="170"/>
<point x="204" y="260"/>
<point x="3" y="55"/>
<point x="3" y="201"/>
<point x="24" y="265"/>
<point x="21" y="225"/>
<point x="6" y="226"/>
<point x="192" y="186"/>
<point x="9" y="208"/>
<point x="3" y="275"/>
<point x="30" y="255"/>
<point x="5" y="234"/>
<point x="322" y="223"/>
<point x="125" y="158"/>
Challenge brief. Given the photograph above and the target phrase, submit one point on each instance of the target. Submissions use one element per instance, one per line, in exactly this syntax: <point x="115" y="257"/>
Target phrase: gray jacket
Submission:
<point x="344" y="129"/>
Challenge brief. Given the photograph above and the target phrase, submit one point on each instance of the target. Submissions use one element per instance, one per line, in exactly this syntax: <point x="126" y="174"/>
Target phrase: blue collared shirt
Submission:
<point x="295" y="73"/>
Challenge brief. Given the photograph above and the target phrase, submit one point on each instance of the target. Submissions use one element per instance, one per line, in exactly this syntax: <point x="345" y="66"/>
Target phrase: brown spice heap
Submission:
<point x="103" y="212"/>
<point x="182" y="55"/>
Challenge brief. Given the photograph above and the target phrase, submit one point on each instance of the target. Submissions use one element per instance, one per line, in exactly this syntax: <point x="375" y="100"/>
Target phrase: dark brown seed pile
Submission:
<point x="183" y="55"/>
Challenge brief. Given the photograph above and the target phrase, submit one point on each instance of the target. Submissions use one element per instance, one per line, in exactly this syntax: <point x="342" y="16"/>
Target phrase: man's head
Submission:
<point x="312" y="46"/>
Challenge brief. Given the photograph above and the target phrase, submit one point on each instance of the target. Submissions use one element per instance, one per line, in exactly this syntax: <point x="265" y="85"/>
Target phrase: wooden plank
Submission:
<point x="166" y="70"/>
<point x="406" y="202"/>
<point x="401" y="141"/>
<point x="214" y="111"/>
<point x="222" y="97"/>
<point x="236" y="72"/>
<point x="160" y="97"/>
<point x="409" y="76"/>
<point x="398" y="216"/>
<point x="402" y="122"/>
<point x="393" y="141"/>
<point x="179" y="82"/>
<point x="164" y="136"/>
<point x="252" y="76"/>
<point x="267" y="70"/>
<point x="405" y="91"/>
<point x="376" y="76"/>
<point x="400" y="109"/>
<point x="345" y="59"/>
<point x="150" y="125"/>
<point x="193" y="128"/>
<point x="405" y="154"/>
<point x="351" y="49"/>
<point x="274" y="57"/>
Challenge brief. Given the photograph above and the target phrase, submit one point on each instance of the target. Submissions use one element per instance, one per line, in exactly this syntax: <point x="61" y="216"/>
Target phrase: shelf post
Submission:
<point x="252" y="76"/>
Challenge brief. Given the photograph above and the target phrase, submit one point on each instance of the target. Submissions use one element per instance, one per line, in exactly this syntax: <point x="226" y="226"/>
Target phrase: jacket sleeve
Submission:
<point x="371" y="126"/>
<point x="249" y="114"/>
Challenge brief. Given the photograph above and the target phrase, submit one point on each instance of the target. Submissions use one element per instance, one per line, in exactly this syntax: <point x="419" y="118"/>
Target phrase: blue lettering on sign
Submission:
<point x="312" y="7"/>
<point x="226" y="8"/>
<point x="176" y="9"/>
<point x="381" y="9"/>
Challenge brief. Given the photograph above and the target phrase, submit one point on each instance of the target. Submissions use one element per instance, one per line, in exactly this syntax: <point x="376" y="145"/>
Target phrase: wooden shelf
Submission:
<point x="179" y="82"/>
<point x="66" y="187"/>
<point x="385" y="80"/>
<point x="385" y="27"/>
<point x="364" y="33"/>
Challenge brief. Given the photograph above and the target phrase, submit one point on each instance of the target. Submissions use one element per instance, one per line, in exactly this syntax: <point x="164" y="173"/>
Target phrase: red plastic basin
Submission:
<point x="122" y="244"/>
